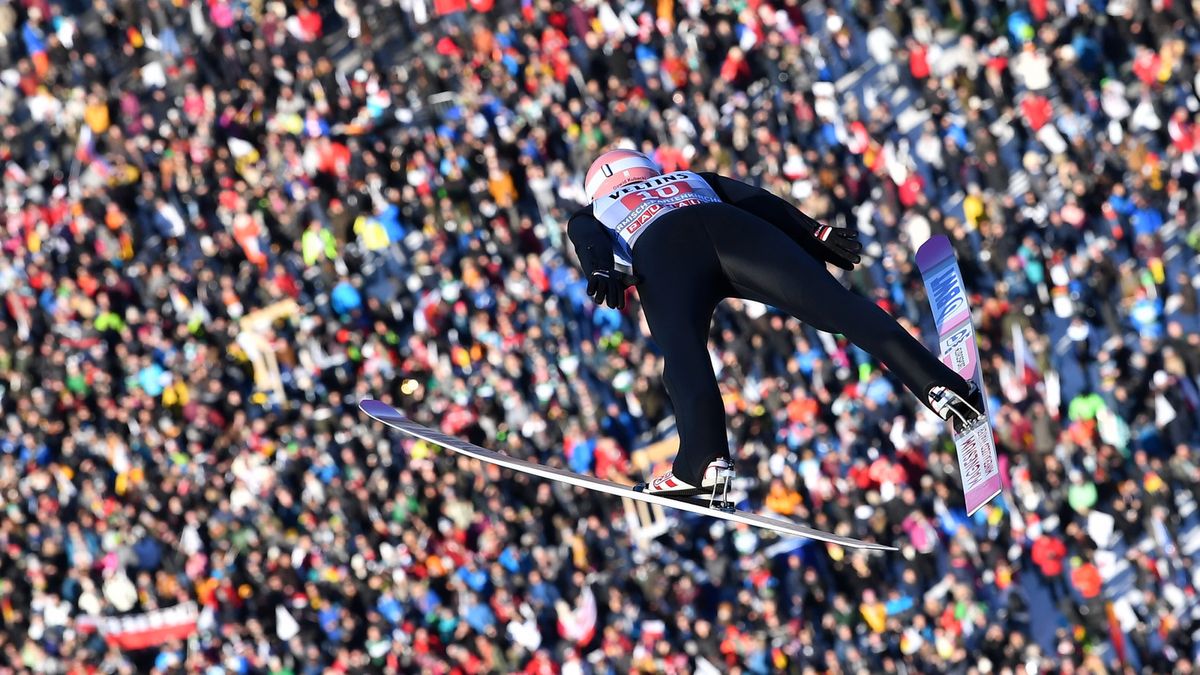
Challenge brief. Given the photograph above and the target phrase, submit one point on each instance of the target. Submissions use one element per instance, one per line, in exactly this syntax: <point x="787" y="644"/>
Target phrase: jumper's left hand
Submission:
<point x="840" y="245"/>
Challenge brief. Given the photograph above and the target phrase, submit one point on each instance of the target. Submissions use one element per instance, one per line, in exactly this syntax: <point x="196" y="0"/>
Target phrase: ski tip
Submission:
<point x="878" y="548"/>
<point x="376" y="408"/>
<point x="986" y="500"/>
<point x="934" y="249"/>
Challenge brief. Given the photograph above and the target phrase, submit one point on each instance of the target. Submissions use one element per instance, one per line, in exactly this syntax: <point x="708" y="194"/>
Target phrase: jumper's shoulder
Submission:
<point x="586" y="231"/>
<point x="714" y="180"/>
<point x="730" y="190"/>
<point x="583" y="212"/>
<point x="583" y="220"/>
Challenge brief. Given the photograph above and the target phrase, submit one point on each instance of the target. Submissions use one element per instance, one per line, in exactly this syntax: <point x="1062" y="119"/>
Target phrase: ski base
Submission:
<point x="381" y="412"/>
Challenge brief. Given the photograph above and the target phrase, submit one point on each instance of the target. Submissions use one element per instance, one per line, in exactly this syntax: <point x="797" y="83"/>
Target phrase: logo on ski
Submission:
<point x="974" y="457"/>
<point x="947" y="296"/>
<point x="957" y="351"/>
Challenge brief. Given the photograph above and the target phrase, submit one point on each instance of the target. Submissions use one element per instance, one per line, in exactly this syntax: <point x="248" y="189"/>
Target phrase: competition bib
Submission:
<point x="630" y="210"/>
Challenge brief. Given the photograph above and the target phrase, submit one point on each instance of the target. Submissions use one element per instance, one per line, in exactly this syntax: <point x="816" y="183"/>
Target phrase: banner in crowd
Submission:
<point x="148" y="629"/>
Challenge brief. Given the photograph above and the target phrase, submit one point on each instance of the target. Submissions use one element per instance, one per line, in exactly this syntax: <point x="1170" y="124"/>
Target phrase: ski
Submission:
<point x="976" y="444"/>
<point x="381" y="412"/>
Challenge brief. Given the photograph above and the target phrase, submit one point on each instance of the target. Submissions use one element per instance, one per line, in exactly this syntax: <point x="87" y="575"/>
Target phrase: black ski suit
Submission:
<point x="753" y="245"/>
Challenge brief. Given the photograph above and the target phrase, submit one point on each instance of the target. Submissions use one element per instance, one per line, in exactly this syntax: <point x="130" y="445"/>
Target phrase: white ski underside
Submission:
<point x="384" y="413"/>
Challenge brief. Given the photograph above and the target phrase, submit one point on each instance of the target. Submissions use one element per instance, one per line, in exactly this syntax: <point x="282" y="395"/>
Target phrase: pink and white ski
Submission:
<point x="956" y="335"/>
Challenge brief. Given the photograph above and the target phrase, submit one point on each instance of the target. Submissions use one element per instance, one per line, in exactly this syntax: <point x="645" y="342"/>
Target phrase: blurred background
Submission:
<point x="223" y="223"/>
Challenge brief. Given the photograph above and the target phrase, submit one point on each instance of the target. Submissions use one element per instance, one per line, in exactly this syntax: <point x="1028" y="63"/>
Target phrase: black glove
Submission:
<point x="593" y="245"/>
<point x="603" y="286"/>
<point x="838" y="245"/>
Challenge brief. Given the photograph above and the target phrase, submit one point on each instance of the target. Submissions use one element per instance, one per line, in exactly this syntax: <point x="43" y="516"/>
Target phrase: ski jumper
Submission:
<point x="695" y="239"/>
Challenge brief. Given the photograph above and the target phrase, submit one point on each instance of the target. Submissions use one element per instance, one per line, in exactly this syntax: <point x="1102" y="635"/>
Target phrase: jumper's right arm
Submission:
<point x="594" y="248"/>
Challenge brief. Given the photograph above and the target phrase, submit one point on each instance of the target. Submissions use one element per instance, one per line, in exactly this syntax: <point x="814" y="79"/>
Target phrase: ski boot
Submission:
<point x="960" y="411"/>
<point x="715" y="483"/>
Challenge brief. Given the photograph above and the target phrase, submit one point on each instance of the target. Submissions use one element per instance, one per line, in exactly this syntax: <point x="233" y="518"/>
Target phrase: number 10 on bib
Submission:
<point x="956" y="337"/>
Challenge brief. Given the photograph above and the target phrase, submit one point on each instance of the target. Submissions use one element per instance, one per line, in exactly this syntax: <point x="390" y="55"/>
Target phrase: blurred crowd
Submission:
<point x="225" y="222"/>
